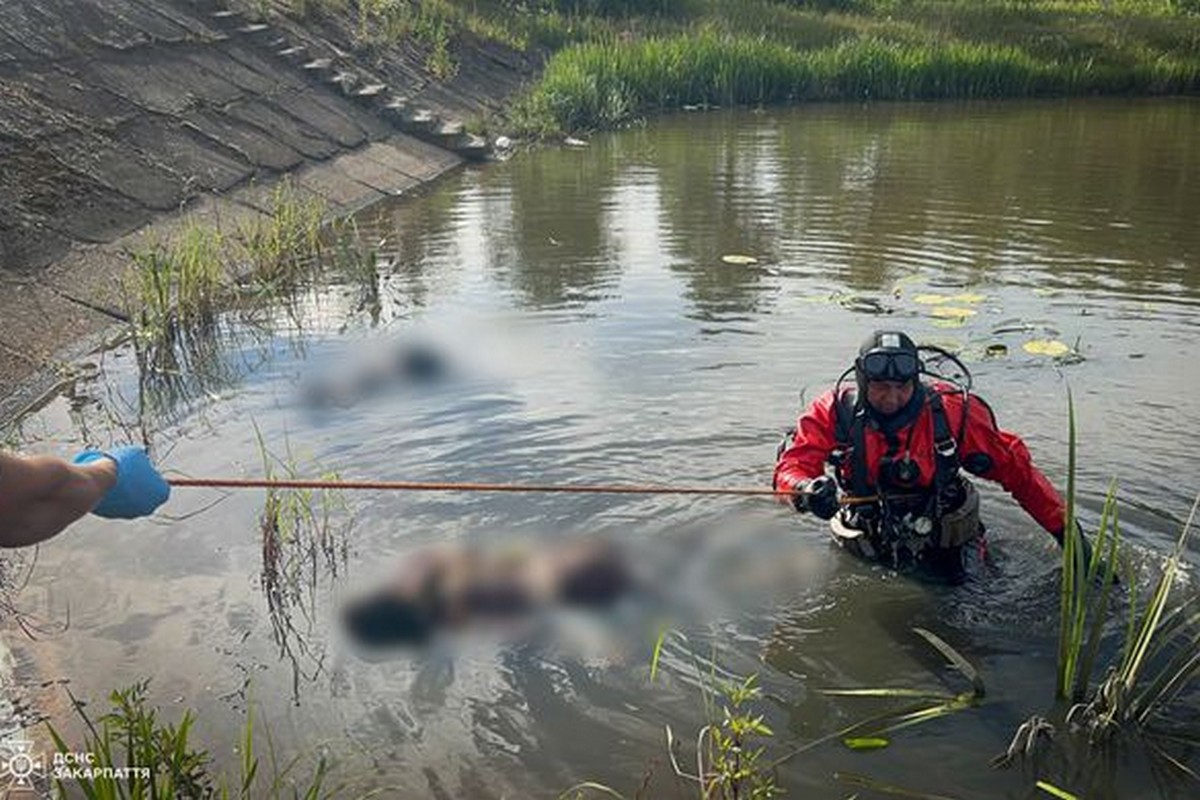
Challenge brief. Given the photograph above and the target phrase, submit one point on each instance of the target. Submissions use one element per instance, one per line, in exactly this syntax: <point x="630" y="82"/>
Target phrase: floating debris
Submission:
<point x="739" y="260"/>
<point x="571" y="141"/>
<point x="997" y="350"/>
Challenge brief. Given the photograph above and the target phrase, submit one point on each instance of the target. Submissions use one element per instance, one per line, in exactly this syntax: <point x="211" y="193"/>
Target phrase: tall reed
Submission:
<point x="1160" y="654"/>
<point x="604" y="84"/>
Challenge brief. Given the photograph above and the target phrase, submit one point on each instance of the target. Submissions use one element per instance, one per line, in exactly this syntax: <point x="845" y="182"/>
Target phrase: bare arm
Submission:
<point x="41" y="495"/>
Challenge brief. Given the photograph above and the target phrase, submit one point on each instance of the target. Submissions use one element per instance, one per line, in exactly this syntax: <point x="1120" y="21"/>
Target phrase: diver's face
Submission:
<point x="888" y="397"/>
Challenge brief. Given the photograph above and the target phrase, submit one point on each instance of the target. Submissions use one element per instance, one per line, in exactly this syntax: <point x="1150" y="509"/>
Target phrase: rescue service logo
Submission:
<point x="20" y="767"/>
<point x="23" y="772"/>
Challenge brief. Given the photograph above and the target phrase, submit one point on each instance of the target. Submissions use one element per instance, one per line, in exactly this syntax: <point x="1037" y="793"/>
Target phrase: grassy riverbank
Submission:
<point x="612" y="61"/>
<point x="869" y="50"/>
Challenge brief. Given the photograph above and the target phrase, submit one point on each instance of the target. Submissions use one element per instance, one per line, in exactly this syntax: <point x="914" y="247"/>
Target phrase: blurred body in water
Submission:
<point x="453" y="586"/>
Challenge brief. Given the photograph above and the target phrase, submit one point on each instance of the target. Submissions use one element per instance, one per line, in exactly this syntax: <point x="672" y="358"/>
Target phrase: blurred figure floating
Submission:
<point x="389" y="366"/>
<point x="454" y="586"/>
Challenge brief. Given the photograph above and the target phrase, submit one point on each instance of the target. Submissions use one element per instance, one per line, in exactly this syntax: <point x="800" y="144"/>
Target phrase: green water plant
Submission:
<point x="922" y="705"/>
<point x="1125" y="693"/>
<point x="304" y="536"/>
<point x="1160" y="658"/>
<point x="176" y="287"/>
<point x="1054" y="791"/>
<point x="1086" y="584"/>
<point x="1160" y="654"/>
<point x="177" y="284"/>
<point x="131" y="753"/>
<point x="731" y="762"/>
<point x="277" y="250"/>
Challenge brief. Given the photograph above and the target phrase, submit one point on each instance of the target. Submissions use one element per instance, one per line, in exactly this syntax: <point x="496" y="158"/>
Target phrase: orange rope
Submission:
<point x="263" y="483"/>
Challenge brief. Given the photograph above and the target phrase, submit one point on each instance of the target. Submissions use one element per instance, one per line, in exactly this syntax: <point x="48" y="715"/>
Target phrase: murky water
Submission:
<point x="595" y="335"/>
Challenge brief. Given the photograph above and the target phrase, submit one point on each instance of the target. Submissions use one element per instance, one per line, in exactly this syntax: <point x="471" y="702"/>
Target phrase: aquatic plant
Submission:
<point x="277" y="250"/>
<point x="728" y="764"/>
<point x="177" y="284"/>
<point x="731" y="763"/>
<point x="1158" y="657"/>
<point x="1086" y="584"/>
<point x="135" y="754"/>
<point x="304" y="536"/>
<point x="1132" y="693"/>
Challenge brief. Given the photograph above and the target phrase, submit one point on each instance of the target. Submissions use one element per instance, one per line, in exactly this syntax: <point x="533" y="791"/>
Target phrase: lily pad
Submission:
<point x="950" y="322"/>
<point x="1046" y="347"/>
<point x="946" y="312"/>
<point x="968" y="297"/>
<point x="865" y="742"/>
<point x="931" y="299"/>
<point x="739" y="260"/>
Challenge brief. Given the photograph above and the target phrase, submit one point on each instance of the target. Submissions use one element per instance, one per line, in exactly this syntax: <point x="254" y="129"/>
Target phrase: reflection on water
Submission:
<point x="595" y="335"/>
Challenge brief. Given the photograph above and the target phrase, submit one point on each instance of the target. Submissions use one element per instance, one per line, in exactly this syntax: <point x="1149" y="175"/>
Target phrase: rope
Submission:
<point x="419" y="486"/>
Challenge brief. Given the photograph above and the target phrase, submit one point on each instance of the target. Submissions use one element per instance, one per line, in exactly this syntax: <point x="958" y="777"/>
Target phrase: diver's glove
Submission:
<point x="817" y="495"/>
<point x="139" y="488"/>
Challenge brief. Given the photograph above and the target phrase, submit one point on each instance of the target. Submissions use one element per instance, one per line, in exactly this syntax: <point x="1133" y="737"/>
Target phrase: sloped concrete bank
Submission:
<point x="122" y="119"/>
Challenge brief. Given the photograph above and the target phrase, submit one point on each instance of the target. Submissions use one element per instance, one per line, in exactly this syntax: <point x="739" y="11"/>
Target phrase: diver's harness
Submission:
<point x="897" y="523"/>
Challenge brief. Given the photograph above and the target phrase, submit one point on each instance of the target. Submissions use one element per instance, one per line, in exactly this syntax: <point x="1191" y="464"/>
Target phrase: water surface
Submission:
<point x="595" y="335"/>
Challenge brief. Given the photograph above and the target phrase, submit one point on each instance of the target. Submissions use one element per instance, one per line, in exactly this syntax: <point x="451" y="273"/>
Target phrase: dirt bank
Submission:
<point x="121" y="118"/>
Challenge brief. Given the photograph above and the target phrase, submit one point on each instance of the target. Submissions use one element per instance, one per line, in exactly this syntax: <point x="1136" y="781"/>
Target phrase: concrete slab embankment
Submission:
<point x="118" y="118"/>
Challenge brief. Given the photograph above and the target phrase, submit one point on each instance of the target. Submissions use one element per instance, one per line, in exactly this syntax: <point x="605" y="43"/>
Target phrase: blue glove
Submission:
<point x="139" y="488"/>
<point x="818" y="495"/>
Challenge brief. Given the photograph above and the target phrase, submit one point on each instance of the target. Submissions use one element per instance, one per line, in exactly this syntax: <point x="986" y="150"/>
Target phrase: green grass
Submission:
<point x="608" y="84"/>
<point x="180" y="283"/>
<point x="615" y="60"/>
<point x="284" y="246"/>
<point x="174" y="286"/>
<point x="135" y="755"/>
<point x="174" y="290"/>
